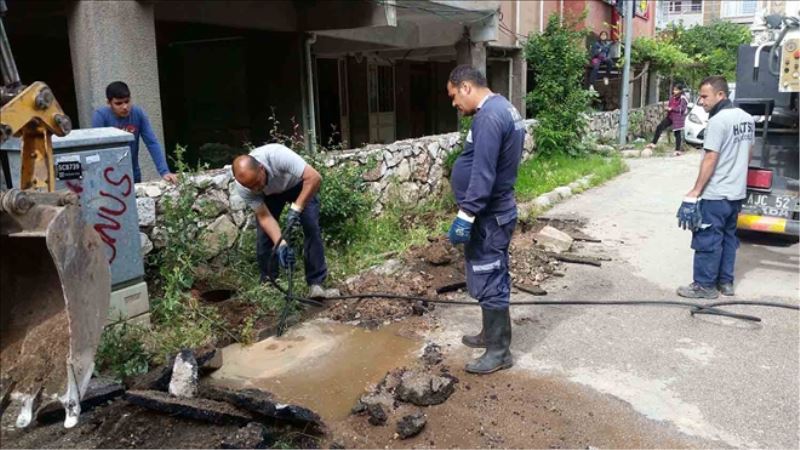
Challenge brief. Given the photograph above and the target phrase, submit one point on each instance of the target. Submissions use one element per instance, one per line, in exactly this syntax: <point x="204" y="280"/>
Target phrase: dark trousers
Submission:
<point x="596" y="62"/>
<point x="715" y="245"/>
<point x="313" y="249"/>
<point x="663" y="126"/>
<point x="486" y="253"/>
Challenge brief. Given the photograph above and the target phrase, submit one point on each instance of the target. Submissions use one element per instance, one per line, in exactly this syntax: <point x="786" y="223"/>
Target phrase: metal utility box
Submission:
<point x="95" y="163"/>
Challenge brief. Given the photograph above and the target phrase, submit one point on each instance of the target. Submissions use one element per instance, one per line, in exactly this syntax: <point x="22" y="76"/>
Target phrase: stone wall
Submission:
<point x="605" y="125"/>
<point x="409" y="171"/>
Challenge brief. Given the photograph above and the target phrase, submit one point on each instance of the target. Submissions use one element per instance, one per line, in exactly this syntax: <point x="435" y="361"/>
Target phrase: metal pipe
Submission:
<point x="9" y="67"/>
<point x="758" y="60"/>
<point x="312" y="120"/>
<point x="541" y="16"/>
<point x="561" y="12"/>
<point x="626" y="74"/>
<point x="516" y="27"/>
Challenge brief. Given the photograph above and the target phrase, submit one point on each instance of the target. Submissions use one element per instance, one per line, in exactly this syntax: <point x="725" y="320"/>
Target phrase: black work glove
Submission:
<point x="689" y="215"/>
<point x="293" y="218"/>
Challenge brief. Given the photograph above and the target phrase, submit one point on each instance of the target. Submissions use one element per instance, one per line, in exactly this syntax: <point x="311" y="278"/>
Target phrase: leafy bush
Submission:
<point x="122" y="351"/>
<point x="183" y="250"/>
<point x="715" y="46"/>
<point x="663" y="55"/>
<point x="556" y="59"/>
<point x="694" y="53"/>
<point x="344" y="201"/>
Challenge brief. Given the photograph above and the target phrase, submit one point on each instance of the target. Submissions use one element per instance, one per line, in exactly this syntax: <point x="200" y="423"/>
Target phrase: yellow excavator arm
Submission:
<point x="34" y="116"/>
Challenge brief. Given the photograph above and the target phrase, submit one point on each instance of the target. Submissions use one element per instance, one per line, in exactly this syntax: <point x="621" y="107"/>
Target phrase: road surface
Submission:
<point x="722" y="381"/>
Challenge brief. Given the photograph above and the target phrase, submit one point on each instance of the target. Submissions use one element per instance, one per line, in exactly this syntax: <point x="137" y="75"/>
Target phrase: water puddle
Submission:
<point x="322" y="365"/>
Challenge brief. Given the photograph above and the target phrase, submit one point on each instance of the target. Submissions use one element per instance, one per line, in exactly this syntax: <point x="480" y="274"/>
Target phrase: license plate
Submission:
<point x="69" y="170"/>
<point x="770" y="204"/>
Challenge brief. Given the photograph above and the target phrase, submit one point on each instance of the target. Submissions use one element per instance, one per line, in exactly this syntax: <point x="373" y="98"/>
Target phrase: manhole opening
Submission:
<point x="217" y="295"/>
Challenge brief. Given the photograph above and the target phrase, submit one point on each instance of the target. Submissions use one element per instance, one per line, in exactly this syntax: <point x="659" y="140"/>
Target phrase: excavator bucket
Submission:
<point x="54" y="295"/>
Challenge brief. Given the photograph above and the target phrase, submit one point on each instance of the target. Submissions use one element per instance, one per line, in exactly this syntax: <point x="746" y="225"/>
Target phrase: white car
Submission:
<point x="697" y="120"/>
<point x="695" y="124"/>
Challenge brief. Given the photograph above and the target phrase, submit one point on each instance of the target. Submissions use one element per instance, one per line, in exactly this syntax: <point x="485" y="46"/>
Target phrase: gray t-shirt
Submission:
<point x="731" y="133"/>
<point x="284" y="171"/>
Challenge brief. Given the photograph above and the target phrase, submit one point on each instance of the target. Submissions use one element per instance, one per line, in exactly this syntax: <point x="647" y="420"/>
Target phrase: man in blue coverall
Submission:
<point x="121" y="113"/>
<point x="482" y="180"/>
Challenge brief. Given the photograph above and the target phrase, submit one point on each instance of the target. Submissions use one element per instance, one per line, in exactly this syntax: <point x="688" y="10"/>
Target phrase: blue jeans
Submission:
<point x="715" y="246"/>
<point x="486" y="253"/>
<point x="313" y="249"/>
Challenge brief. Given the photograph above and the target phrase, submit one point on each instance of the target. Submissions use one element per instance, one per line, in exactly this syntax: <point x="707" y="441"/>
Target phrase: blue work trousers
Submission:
<point x="715" y="243"/>
<point x="313" y="249"/>
<point x="486" y="253"/>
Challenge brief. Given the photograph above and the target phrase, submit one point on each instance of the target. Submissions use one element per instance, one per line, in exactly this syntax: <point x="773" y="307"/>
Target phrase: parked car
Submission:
<point x="697" y="120"/>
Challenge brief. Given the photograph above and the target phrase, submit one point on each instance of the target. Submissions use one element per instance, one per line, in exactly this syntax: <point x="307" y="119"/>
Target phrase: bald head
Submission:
<point x="249" y="173"/>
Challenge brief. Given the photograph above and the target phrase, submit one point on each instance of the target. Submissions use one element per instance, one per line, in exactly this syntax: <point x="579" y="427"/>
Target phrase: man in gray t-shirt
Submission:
<point x="712" y="207"/>
<point x="267" y="179"/>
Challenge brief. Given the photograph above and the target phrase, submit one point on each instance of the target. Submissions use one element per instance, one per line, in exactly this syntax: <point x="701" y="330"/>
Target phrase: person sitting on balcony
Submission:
<point x="599" y="54"/>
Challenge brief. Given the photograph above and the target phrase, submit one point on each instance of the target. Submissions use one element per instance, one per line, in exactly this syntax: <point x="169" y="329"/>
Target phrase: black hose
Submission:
<point x="695" y="308"/>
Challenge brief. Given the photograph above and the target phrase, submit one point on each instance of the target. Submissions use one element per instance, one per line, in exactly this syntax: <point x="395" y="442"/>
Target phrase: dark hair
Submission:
<point x="600" y="36"/>
<point x="718" y="82"/>
<point x="466" y="72"/>
<point x="117" y="89"/>
<point x="679" y="86"/>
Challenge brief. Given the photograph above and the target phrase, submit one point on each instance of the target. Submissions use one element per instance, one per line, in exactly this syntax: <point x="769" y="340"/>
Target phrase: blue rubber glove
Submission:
<point x="286" y="257"/>
<point x="689" y="215"/>
<point x="293" y="218"/>
<point x="460" y="229"/>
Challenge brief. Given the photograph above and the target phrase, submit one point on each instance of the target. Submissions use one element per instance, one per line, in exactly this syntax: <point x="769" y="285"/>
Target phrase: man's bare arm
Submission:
<point x="268" y="223"/>
<point x="311" y="183"/>
<point x="706" y="170"/>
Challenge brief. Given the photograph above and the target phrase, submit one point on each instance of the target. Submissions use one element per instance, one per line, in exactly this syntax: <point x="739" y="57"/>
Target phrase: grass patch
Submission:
<point x="540" y="175"/>
<point x="393" y="232"/>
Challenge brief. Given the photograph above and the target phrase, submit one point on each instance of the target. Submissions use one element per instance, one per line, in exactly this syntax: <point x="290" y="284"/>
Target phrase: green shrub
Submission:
<point x="556" y="59"/>
<point x="184" y="249"/>
<point x="122" y="351"/>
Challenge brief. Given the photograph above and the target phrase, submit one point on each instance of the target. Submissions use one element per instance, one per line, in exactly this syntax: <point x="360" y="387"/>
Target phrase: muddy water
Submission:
<point x="322" y="365"/>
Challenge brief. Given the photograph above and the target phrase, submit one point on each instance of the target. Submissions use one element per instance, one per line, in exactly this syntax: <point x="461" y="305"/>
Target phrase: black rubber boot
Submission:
<point x="497" y="332"/>
<point x="479" y="340"/>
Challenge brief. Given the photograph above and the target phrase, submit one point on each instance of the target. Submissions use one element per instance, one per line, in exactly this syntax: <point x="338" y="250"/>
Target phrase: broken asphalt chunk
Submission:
<point x="190" y="408"/>
<point x="264" y="404"/>
<point x="432" y="354"/>
<point x="411" y="425"/>
<point x="376" y="414"/>
<point x="424" y="389"/>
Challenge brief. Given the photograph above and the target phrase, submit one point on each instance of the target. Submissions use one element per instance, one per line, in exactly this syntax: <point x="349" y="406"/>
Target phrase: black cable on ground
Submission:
<point x="695" y="308"/>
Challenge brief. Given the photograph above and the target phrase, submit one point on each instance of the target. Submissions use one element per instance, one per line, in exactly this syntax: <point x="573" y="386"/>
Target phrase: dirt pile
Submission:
<point x="436" y="270"/>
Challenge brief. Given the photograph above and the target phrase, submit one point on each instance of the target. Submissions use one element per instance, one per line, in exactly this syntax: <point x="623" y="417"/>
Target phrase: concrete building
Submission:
<point x="210" y="73"/>
<point x="747" y="12"/>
